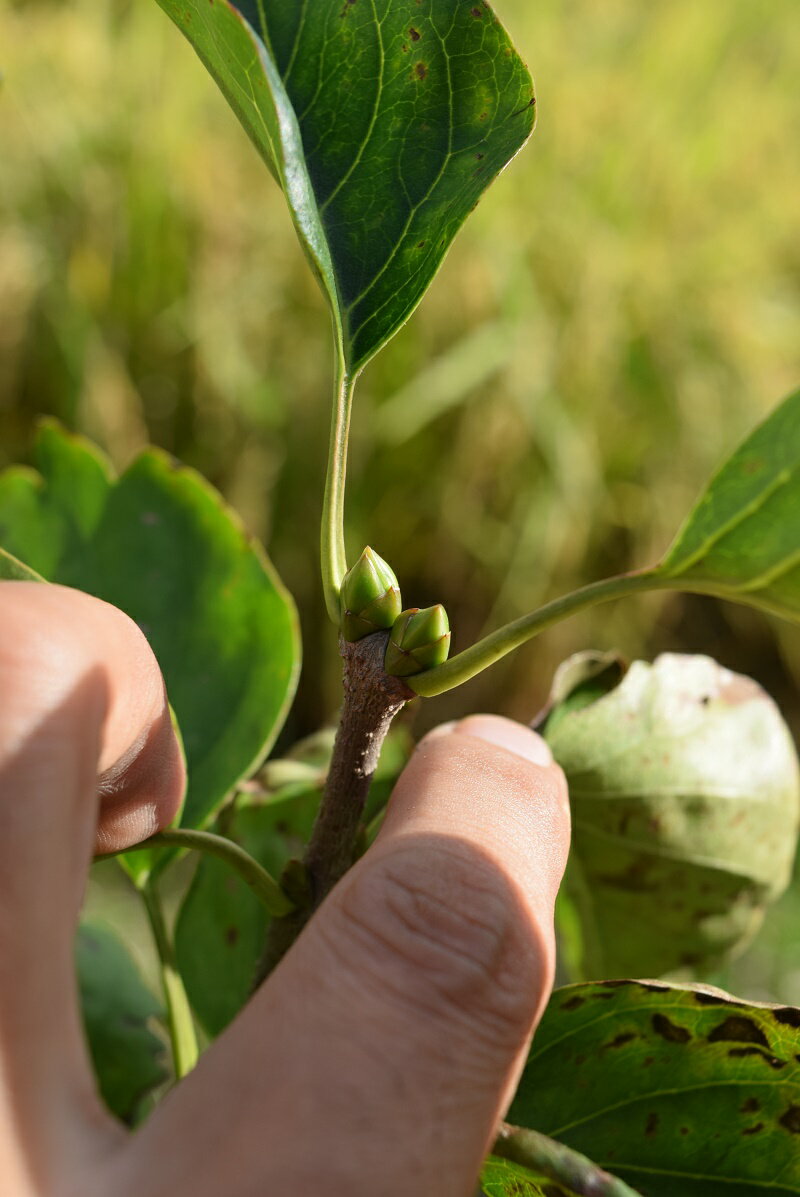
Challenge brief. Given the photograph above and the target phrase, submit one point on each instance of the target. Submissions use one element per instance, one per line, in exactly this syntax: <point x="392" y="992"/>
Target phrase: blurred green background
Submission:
<point x="618" y="313"/>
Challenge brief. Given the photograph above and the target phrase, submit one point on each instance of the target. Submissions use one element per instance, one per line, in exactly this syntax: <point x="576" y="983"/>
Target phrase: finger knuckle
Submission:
<point x="444" y="932"/>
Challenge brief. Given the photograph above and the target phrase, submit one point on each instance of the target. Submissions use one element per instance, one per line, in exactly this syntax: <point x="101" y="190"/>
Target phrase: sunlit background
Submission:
<point x="617" y="314"/>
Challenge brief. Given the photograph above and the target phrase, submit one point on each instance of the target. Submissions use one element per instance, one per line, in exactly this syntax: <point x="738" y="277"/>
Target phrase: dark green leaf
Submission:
<point x="685" y="797"/>
<point x="129" y="1060"/>
<point x="384" y="121"/>
<point x="222" y="926"/>
<point x="678" y="1091"/>
<point x="742" y="540"/>
<point x="160" y="544"/>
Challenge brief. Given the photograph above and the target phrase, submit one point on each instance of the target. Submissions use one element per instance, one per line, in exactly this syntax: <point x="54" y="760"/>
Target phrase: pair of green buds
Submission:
<point x="370" y="599"/>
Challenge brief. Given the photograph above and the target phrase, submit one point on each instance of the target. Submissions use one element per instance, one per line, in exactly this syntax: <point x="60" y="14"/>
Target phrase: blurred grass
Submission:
<point x="620" y="310"/>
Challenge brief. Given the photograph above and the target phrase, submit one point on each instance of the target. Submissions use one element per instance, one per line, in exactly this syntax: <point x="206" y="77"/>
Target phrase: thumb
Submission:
<point x="398" y="1022"/>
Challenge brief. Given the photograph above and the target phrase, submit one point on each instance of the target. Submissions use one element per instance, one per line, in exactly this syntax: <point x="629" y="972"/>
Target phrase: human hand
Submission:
<point x="381" y="1053"/>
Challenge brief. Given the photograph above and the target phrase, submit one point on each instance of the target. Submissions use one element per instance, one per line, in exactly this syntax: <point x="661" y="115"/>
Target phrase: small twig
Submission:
<point x="551" y="1160"/>
<point x="372" y="698"/>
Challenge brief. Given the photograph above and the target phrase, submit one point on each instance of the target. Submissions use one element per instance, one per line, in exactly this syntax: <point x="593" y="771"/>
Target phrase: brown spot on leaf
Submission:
<point x="414" y="34"/>
<point x="740" y="690"/>
<point x="621" y="1039"/>
<point x="738" y="1053"/>
<point x="753" y="1130"/>
<point x="652" y="1125"/>
<point x="684" y="1130"/>
<point x="714" y="999"/>
<point x="791" y="1120"/>
<point x="738" y="1029"/>
<point x="421" y="70"/>
<point x="231" y="936"/>
<point x="788" y="1015"/>
<point x="476" y="13"/>
<point x="669" y="1030"/>
<point x="573" y="1003"/>
<point x="750" y="1106"/>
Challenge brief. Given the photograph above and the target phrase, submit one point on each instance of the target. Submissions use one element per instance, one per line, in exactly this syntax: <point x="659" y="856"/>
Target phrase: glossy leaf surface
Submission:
<point x="118" y="1008"/>
<point x="384" y="121"/>
<point x="160" y="544"/>
<point x="742" y="540"/>
<point x="676" y="1091"/>
<point x="685" y="796"/>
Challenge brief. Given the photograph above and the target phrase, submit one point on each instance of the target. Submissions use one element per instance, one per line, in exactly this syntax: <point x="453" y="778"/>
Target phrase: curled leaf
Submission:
<point x="685" y="798"/>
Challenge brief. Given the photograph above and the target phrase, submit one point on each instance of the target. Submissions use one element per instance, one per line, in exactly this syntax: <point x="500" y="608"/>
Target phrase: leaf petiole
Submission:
<point x="473" y="660"/>
<point x="182" y="1034"/>
<point x="332" y="549"/>
<point x="554" y="1161"/>
<point x="263" y="885"/>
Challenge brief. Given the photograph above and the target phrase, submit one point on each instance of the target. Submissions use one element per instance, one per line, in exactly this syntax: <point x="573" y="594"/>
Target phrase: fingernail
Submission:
<point x="505" y="733"/>
<point x="444" y="729"/>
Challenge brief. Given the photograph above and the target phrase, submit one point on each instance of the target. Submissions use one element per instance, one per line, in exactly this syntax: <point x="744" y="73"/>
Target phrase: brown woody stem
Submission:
<point x="372" y="698"/>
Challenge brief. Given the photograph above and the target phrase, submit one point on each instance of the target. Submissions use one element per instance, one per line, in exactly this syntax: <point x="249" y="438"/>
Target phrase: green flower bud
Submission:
<point x="370" y="597"/>
<point x="419" y="640"/>
<point x="685" y="797"/>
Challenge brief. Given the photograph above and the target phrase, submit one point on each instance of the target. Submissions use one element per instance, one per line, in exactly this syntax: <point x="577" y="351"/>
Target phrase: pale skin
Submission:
<point x="380" y="1055"/>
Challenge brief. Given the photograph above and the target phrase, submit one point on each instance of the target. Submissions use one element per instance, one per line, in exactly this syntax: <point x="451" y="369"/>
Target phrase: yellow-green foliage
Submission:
<point x="619" y="311"/>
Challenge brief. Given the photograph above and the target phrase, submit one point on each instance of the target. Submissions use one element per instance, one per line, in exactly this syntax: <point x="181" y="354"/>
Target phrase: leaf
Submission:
<point x="578" y="682"/>
<point x="129" y="1060"/>
<point x="384" y="122"/>
<point x="501" y="1178"/>
<point x="159" y="543"/>
<point x="12" y="570"/>
<point x="507" y="1178"/>
<point x="685" y="797"/>
<point x="677" y="1091"/>
<point x="221" y="927"/>
<point x="742" y="540"/>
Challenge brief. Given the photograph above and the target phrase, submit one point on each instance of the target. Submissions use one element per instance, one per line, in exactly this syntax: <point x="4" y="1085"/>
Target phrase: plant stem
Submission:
<point x="372" y="698"/>
<point x="263" y="885"/>
<point x="465" y="665"/>
<point x="332" y="550"/>
<point x="550" y="1160"/>
<point x="179" y="1014"/>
